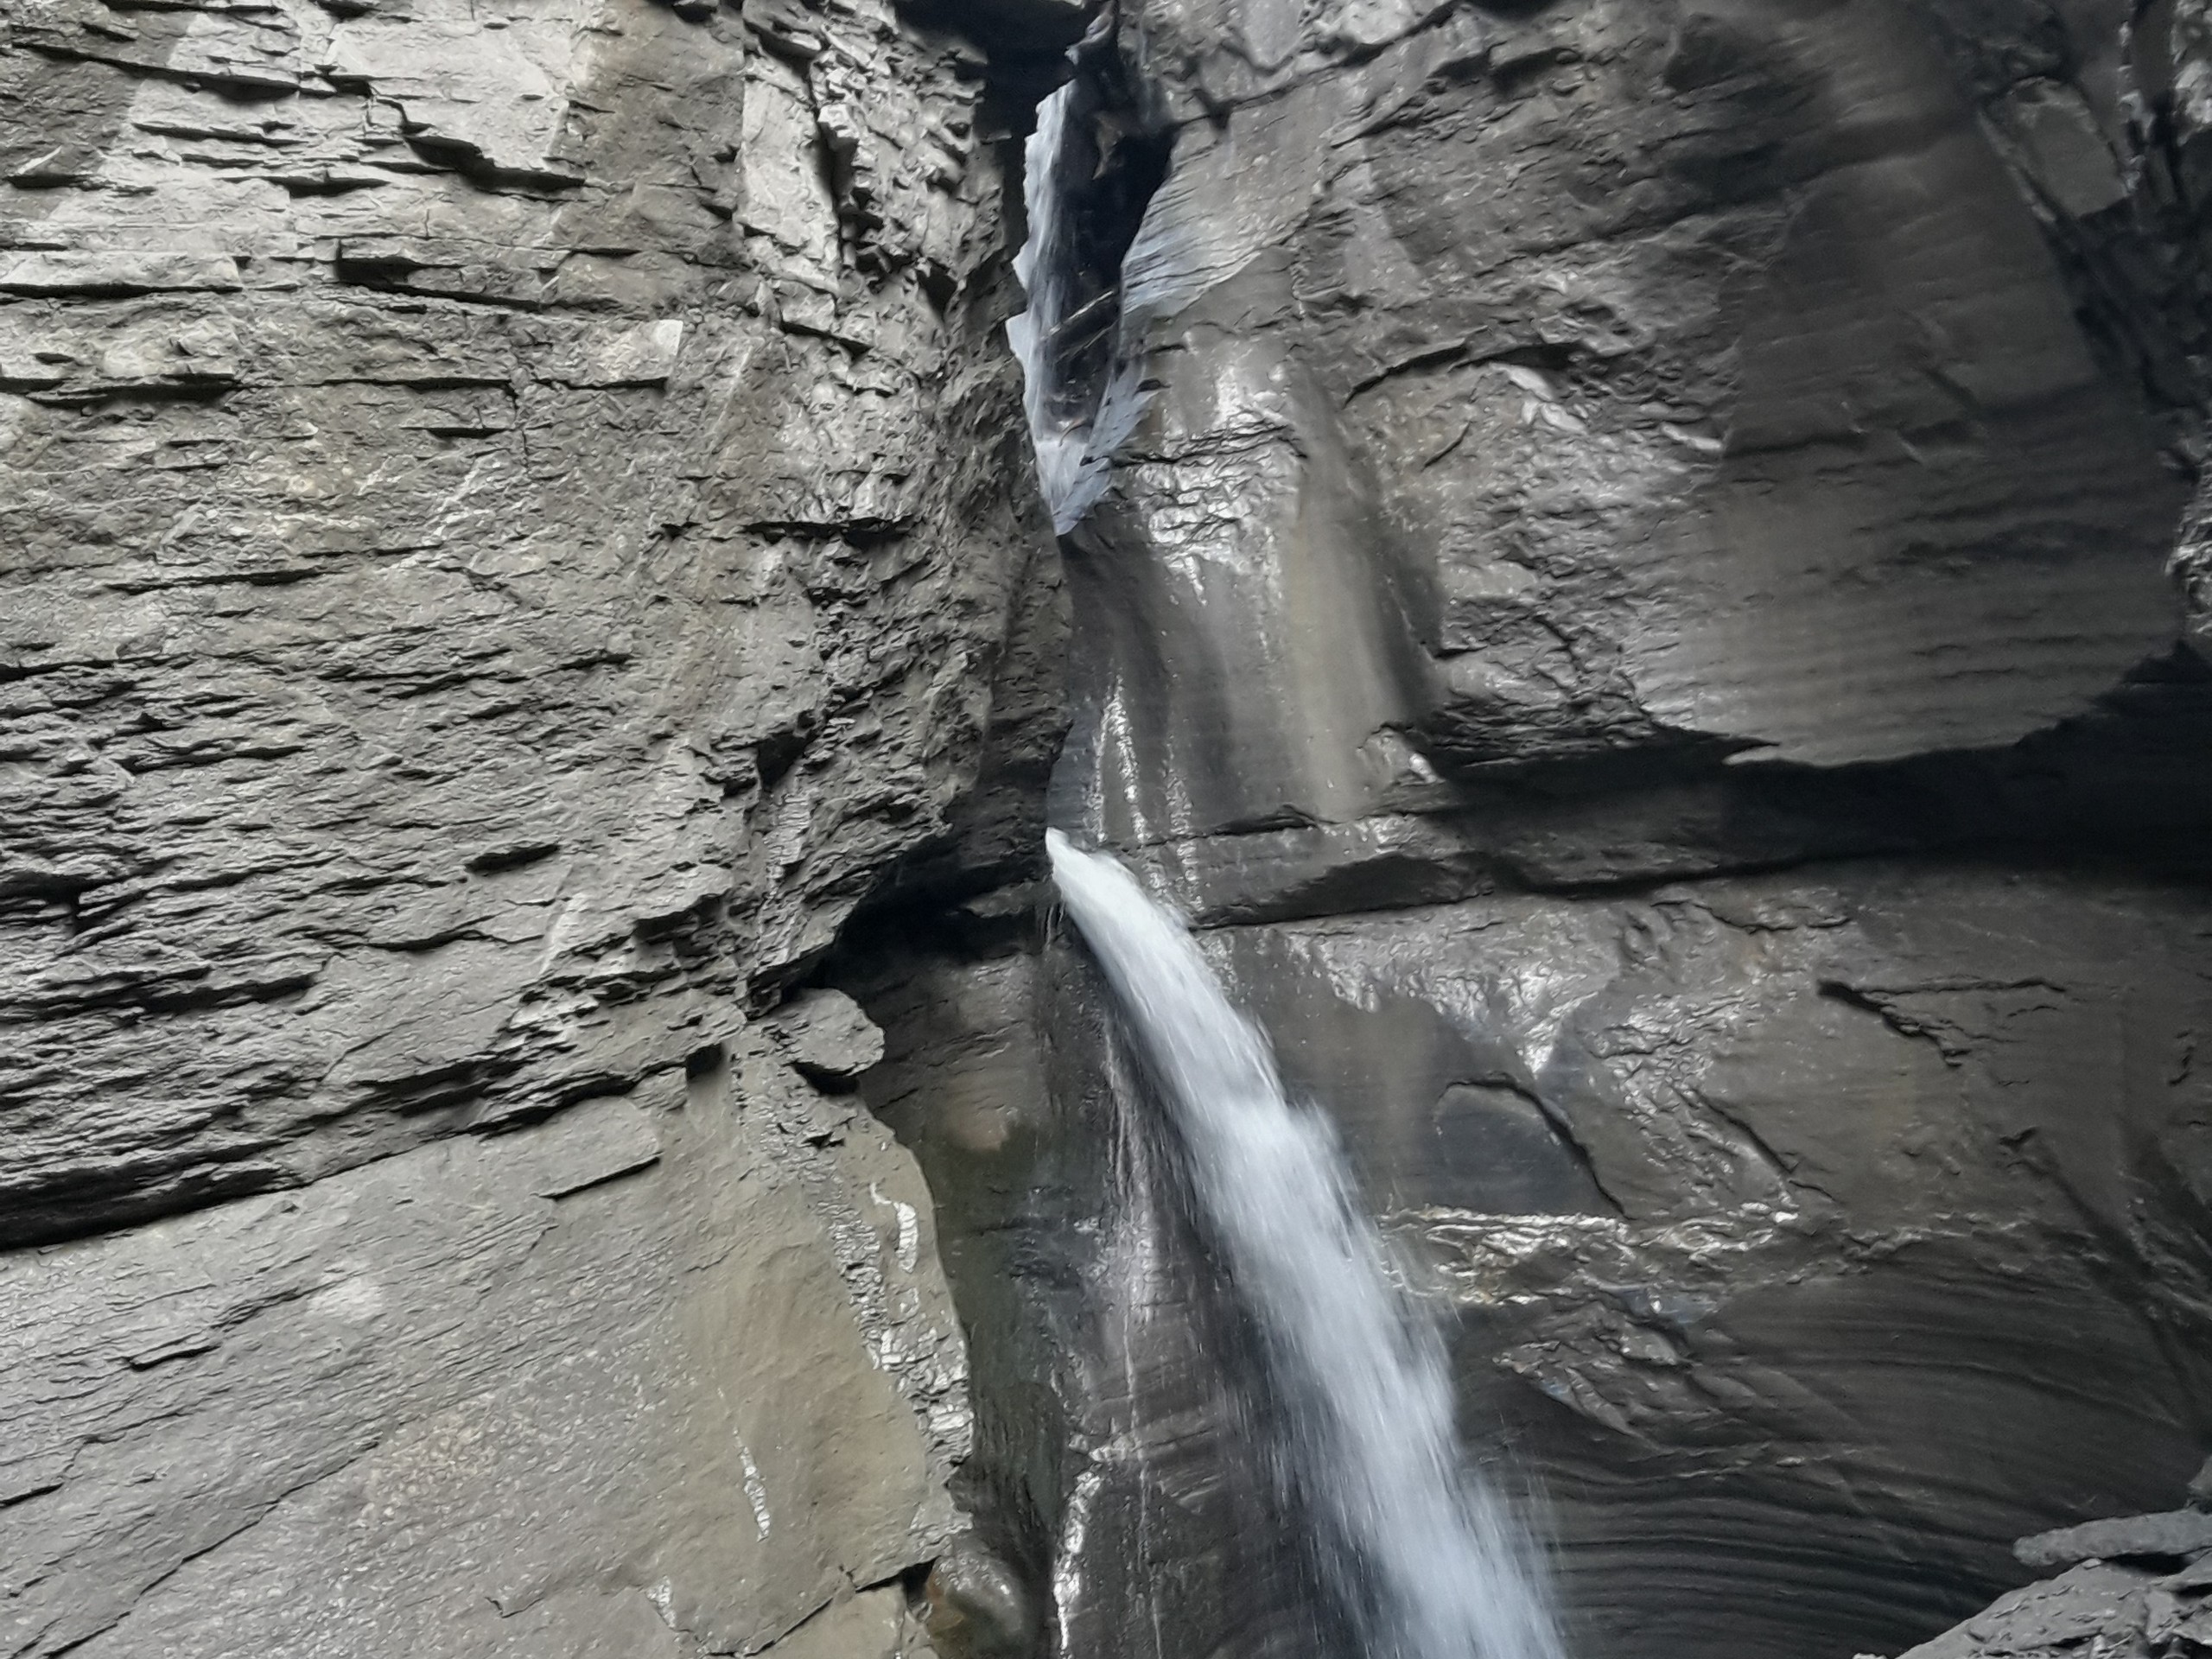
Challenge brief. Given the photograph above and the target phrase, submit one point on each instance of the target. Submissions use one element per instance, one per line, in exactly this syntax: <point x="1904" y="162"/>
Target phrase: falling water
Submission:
<point x="1039" y="266"/>
<point x="1429" y="1557"/>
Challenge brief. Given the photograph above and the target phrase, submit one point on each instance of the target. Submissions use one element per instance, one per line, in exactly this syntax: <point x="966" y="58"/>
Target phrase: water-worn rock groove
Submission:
<point x="1619" y="574"/>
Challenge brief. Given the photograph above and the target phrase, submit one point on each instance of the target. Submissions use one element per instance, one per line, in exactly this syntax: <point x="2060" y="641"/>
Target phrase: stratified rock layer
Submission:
<point x="1631" y="600"/>
<point x="653" y="1377"/>
<point x="1628" y="596"/>
<point x="2132" y="1588"/>
<point x="514" y="514"/>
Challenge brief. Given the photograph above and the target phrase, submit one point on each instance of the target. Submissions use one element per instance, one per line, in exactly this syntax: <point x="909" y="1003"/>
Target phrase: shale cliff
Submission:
<point x="1615" y="559"/>
<point x="514" y="524"/>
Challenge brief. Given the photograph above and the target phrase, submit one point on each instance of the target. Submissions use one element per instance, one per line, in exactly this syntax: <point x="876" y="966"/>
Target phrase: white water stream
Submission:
<point x="1060" y="449"/>
<point x="1431" y="1558"/>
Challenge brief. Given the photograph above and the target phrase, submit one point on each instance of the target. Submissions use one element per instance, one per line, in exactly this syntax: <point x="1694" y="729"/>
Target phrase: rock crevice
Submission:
<point x="1621" y="578"/>
<point x="1632" y="608"/>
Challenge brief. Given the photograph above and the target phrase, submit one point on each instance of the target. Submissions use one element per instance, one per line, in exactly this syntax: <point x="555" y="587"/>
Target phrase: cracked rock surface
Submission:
<point x="515" y="522"/>
<point x="2134" y="1587"/>
<point x="1624" y="585"/>
<point x="1647" y="586"/>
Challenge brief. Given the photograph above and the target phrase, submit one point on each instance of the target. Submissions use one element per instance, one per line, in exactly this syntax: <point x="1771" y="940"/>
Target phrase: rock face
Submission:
<point x="517" y="523"/>
<point x="2134" y="1586"/>
<point x="1619" y="559"/>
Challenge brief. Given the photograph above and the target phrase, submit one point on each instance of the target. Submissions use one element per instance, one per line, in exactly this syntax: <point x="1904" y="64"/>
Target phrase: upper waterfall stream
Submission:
<point x="1433" y="1564"/>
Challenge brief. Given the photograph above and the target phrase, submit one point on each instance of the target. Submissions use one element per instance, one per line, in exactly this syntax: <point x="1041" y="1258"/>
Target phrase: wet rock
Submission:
<point x="977" y="1607"/>
<point x="1628" y="591"/>
<point x="1520" y="470"/>
<point x="1796" y="1238"/>
<point x="2097" y="1608"/>
<point x="2132" y="1596"/>
<point x="1622" y="577"/>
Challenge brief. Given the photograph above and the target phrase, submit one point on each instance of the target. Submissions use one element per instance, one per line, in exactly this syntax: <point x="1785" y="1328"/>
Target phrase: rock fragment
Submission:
<point x="828" y="1038"/>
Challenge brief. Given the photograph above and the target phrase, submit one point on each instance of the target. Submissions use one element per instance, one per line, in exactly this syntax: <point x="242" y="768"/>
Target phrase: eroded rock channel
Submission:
<point x="1566" y="546"/>
<point x="1612" y="555"/>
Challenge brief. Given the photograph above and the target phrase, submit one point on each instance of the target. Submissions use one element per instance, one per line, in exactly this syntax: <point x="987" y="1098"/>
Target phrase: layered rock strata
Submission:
<point x="516" y="516"/>
<point x="2134" y="1587"/>
<point x="1620" y="574"/>
<point x="1620" y="557"/>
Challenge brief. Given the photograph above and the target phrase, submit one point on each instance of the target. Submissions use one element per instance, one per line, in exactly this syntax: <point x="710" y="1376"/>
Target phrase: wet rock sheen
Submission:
<point x="1622" y="577"/>
<point x="1642" y="577"/>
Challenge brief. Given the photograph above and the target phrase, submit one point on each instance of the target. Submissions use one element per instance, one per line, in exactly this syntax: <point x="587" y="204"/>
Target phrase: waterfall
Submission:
<point x="1041" y="266"/>
<point x="1429" y="1557"/>
<point x="1087" y="197"/>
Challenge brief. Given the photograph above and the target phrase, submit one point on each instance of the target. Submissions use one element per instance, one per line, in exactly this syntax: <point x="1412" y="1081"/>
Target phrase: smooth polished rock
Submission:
<point x="1803" y="1237"/>
<point x="1627" y="592"/>
<point x="1600" y="380"/>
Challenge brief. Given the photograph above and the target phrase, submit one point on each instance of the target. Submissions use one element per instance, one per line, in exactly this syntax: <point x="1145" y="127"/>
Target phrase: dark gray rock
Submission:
<point x="2127" y="1597"/>
<point x="437" y="659"/>
<point x="1544" y="446"/>
<point x="978" y="1608"/>
<point x="1844" y="1237"/>
<point x="826" y="1037"/>
<point x="2199" y="1487"/>
<point x="516" y="523"/>
<point x="2178" y="1535"/>
<point x="1627" y="589"/>
<point x="2100" y="1608"/>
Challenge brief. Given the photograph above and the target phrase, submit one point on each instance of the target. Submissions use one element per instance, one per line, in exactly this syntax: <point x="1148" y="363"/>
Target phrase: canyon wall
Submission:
<point x="516" y="522"/>
<point x="1621" y="578"/>
<point x="1620" y="562"/>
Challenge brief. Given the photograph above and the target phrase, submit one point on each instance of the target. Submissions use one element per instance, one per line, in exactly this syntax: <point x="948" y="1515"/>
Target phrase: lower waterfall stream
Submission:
<point x="1431" y="1562"/>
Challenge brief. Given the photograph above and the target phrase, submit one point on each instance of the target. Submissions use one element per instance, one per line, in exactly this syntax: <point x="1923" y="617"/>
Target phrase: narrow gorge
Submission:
<point x="1634" y="568"/>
